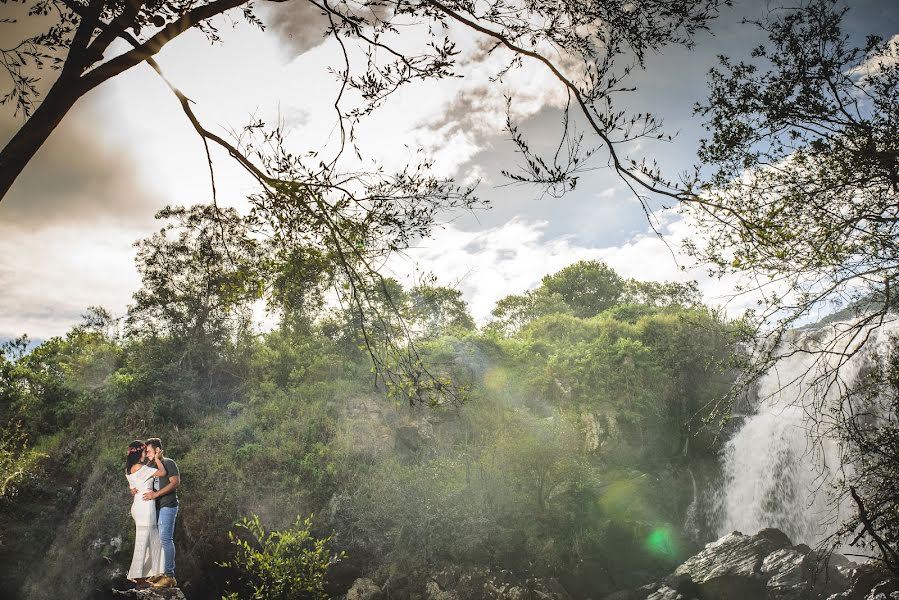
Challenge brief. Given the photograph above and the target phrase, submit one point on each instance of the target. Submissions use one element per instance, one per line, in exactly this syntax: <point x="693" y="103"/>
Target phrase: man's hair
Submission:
<point x="155" y="442"/>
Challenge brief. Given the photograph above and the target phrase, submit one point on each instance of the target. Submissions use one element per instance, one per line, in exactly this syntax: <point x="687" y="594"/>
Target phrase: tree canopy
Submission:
<point x="806" y="165"/>
<point x="589" y="48"/>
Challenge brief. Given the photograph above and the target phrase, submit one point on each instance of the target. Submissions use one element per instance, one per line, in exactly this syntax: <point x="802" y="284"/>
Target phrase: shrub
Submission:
<point x="276" y="565"/>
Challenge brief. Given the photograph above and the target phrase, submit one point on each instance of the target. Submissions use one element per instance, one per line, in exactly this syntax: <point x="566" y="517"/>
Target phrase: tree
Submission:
<point x="806" y="167"/>
<point x="438" y="310"/>
<point x="869" y="432"/>
<point x="802" y="196"/>
<point x="597" y="46"/>
<point x="77" y="36"/>
<point x="517" y="310"/>
<point x="588" y="287"/>
<point x="668" y="293"/>
<point x="18" y="461"/>
<point x="197" y="289"/>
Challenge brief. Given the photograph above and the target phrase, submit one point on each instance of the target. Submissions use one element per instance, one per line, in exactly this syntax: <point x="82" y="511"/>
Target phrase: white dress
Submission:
<point x="148" y="557"/>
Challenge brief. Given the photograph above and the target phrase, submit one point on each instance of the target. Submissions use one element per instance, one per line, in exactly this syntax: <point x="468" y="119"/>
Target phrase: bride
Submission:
<point x="148" y="561"/>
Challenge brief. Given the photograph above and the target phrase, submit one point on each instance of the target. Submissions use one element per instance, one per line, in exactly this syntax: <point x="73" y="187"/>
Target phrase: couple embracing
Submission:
<point x="153" y="479"/>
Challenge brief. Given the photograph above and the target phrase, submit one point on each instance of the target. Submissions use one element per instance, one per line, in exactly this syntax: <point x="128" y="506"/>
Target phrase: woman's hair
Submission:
<point x="135" y="454"/>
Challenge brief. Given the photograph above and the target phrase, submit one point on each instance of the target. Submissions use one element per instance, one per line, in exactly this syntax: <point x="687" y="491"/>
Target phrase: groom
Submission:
<point x="166" y="509"/>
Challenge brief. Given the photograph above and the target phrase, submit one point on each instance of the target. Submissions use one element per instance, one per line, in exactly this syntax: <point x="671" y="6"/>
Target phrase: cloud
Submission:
<point x="513" y="257"/>
<point x="471" y="113"/>
<point x="75" y="178"/>
<point x="49" y="278"/>
<point x="299" y="25"/>
<point x="67" y="225"/>
<point x="874" y="66"/>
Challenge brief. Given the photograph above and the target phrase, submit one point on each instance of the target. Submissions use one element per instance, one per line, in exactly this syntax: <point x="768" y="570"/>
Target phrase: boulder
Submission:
<point x="666" y="593"/>
<point x="471" y="583"/>
<point x="788" y="571"/>
<point x="765" y="566"/>
<point x="413" y="440"/>
<point x="151" y="594"/>
<point x="364" y="589"/>
<point x="885" y="590"/>
<point x="447" y="578"/>
<point x="730" y="568"/>
<point x="862" y="579"/>
<point x="477" y="583"/>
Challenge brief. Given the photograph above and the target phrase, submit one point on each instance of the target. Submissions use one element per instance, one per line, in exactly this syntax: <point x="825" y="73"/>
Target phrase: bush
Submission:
<point x="275" y="565"/>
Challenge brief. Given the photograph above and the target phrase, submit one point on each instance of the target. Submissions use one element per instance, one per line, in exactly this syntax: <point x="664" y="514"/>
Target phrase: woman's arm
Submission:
<point x="160" y="468"/>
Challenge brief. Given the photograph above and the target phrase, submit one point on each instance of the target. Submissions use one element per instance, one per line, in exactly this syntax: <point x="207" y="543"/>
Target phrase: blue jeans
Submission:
<point x="166" y="520"/>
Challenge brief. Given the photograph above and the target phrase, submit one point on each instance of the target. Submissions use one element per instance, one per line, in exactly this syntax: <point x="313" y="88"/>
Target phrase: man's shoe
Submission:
<point x="165" y="582"/>
<point x="154" y="578"/>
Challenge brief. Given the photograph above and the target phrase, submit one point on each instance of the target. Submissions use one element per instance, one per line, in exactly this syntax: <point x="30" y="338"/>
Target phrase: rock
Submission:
<point x="151" y="594"/>
<point x="862" y="580"/>
<point x="447" y="578"/>
<point x="433" y="592"/>
<point x="477" y="583"/>
<point x="400" y="586"/>
<point x="766" y="566"/>
<point x="641" y="593"/>
<point x="833" y="577"/>
<point x="666" y="593"/>
<point x="788" y="571"/>
<point x="730" y="568"/>
<point x="363" y="589"/>
<point x="885" y="590"/>
<point x="413" y="440"/>
<point x="366" y="426"/>
<point x="471" y="583"/>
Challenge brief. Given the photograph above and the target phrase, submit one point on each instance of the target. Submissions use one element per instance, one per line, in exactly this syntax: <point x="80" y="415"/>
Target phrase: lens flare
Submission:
<point x="660" y="543"/>
<point x="496" y="378"/>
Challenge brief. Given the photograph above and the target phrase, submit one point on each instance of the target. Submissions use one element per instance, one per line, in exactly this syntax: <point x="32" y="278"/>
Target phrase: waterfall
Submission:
<point x="779" y="466"/>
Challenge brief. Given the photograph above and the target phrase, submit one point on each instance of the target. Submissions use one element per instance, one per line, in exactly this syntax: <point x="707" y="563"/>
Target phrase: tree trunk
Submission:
<point x="32" y="135"/>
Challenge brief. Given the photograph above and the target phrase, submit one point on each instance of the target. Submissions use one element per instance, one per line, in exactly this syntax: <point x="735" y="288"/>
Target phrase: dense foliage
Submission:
<point x="570" y="454"/>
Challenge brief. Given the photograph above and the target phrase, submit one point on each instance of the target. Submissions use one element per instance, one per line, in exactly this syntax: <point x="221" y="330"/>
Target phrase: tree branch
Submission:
<point x="152" y="46"/>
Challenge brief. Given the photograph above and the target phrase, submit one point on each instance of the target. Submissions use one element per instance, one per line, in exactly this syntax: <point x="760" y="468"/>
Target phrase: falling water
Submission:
<point x="775" y="474"/>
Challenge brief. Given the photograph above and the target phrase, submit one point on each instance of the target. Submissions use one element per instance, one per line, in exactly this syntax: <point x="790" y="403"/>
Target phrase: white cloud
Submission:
<point x="513" y="257"/>
<point x="874" y="65"/>
<point x="50" y="276"/>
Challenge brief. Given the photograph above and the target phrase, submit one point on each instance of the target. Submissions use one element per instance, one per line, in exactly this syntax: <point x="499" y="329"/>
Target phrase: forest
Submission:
<point x="687" y="388"/>
<point x="589" y="401"/>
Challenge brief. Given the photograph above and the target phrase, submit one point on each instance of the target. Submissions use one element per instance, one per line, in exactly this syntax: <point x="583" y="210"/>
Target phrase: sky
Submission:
<point x="126" y="150"/>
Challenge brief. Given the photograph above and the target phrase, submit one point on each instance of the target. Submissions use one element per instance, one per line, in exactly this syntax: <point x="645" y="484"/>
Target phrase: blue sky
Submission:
<point x="125" y="151"/>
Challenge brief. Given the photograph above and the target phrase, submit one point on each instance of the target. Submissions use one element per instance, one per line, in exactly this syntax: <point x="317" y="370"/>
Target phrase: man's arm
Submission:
<point x="174" y="482"/>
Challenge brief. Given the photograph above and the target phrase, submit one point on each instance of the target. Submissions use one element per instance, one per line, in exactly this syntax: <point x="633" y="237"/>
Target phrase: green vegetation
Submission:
<point x="569" y="461"/>
<point x="17" y="460"/>
<point x="279" y="565"/>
